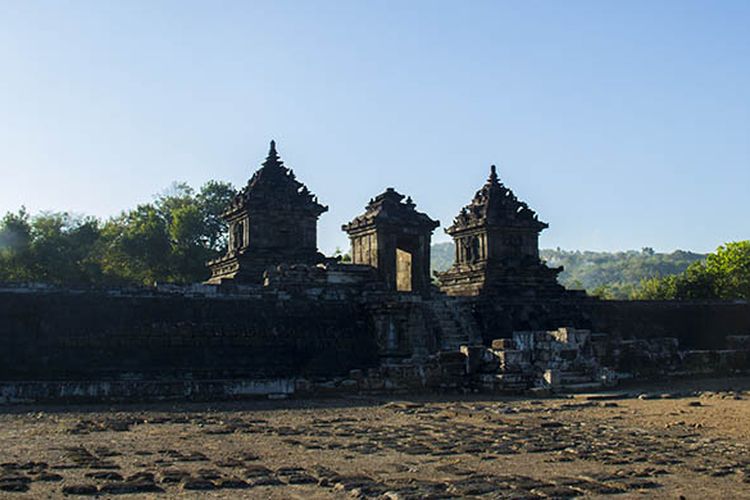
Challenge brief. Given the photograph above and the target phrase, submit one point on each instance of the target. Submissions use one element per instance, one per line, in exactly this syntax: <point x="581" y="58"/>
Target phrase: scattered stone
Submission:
<point x="252" y="471"/>
<point x="127" y="487"/>
<point x="264" y="481"/>
<point x="557" y="491"/>
<point x="80" y="489"/>
<point x="142" y="476"/>
<point x="209" y="474"/>
<point x="476" y="485"/>
<point x="198" y="485"/>
<point x="105" y="475"/>
<point x="551" y="425"/>
<point x="14" y="486"/>
<point x="49" y="477"/>
<point x="232" y="483"/>
<point x="173" y="476"/>
<point x="359" y="485"/>
<point x="642" y="484"/>
<point x="301" y="478"/>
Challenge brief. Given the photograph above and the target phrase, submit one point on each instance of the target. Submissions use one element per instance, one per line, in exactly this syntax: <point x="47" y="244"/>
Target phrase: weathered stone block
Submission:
<point x="474" y="357"/>
<point x="552" y="378"/>
<point x="499" y="344"/>
<point x="523" y="340"/>
<point x="512" y="360"/>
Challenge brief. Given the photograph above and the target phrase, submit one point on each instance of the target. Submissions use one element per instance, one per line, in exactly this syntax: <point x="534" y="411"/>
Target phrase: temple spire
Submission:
<point x="273" y="158"/>
<point x="493" y="174"/>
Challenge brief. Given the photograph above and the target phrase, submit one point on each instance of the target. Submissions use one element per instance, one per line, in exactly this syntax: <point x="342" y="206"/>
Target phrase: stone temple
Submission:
<point x="278" y="317"/>
<point x="496" y="239"/>
<point x="273" y="220"/>
<point x="394" y="238"/>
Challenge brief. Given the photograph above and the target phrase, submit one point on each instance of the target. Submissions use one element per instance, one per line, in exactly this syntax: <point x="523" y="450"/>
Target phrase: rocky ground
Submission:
<point x="690" y="439"/>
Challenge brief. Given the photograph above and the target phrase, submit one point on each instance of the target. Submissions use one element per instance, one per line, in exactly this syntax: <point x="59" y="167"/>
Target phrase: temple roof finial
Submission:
<point x="273" y="159"/>
<point x="493" y="173"/>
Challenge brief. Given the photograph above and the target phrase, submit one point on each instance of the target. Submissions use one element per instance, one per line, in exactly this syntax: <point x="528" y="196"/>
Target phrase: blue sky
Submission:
<point x="624" y="124"/>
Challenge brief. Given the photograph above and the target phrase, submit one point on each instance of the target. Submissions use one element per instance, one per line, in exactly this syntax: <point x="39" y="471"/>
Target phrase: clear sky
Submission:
<point x="624" y="124"/>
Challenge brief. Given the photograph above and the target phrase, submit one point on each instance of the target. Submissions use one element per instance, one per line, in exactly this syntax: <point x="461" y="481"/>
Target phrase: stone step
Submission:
<point x="455" y="330"/>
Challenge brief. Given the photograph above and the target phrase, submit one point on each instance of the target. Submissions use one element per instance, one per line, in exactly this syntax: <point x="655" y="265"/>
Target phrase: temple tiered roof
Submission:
<point x="275" y="187"/>
<point x="390" y="207"/>
<point x="495" y="205"/>
<point x="497" y="247"/>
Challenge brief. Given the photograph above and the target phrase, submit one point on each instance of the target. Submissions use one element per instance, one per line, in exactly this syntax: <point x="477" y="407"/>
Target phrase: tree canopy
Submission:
<point x="168" y="240"/>
<point x="725" y="274"/>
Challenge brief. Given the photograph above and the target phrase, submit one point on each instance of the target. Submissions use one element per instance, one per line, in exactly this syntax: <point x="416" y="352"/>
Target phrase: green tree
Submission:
<point x="171" y="239"/>
<point x="15" y="241"/>
<point x="725" y="274"/>
<point x="604" y="292"/>
<point x="49" y="247"/>
<point x="656" y="289"/>
<point x="136" y="247"/>
<point x="729" y="267"/>
<point x="213" y="199"/>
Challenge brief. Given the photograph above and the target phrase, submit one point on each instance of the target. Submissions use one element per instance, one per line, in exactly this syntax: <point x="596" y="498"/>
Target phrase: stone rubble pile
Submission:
<point x="563" y="358"/>
<point x="570" y="359"/>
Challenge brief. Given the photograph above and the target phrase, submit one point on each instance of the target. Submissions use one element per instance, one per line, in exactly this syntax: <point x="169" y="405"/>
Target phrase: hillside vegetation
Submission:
<point x="606" y="274"/>
<point x="616" y="274"/>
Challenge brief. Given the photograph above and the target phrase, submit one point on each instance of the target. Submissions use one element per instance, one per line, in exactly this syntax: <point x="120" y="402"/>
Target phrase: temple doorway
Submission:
<point x="404" y="276"/>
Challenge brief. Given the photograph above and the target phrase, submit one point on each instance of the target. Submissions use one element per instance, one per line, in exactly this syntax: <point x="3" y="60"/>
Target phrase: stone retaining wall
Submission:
<point x="261" y="333"/>
<point x="53" y="334"/>
<point x="697" y="324"/>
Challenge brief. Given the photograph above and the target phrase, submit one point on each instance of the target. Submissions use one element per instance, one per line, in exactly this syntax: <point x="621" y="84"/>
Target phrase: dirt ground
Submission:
<point x="689" y="439"/>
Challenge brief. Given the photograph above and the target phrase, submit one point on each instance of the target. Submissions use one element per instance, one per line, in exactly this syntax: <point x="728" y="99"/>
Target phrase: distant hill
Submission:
<point x="614" y="274"/>
<point x="442" y="256"/>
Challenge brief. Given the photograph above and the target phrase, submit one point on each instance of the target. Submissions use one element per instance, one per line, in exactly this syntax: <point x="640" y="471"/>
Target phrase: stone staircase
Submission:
<point x="455" y="324"/>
